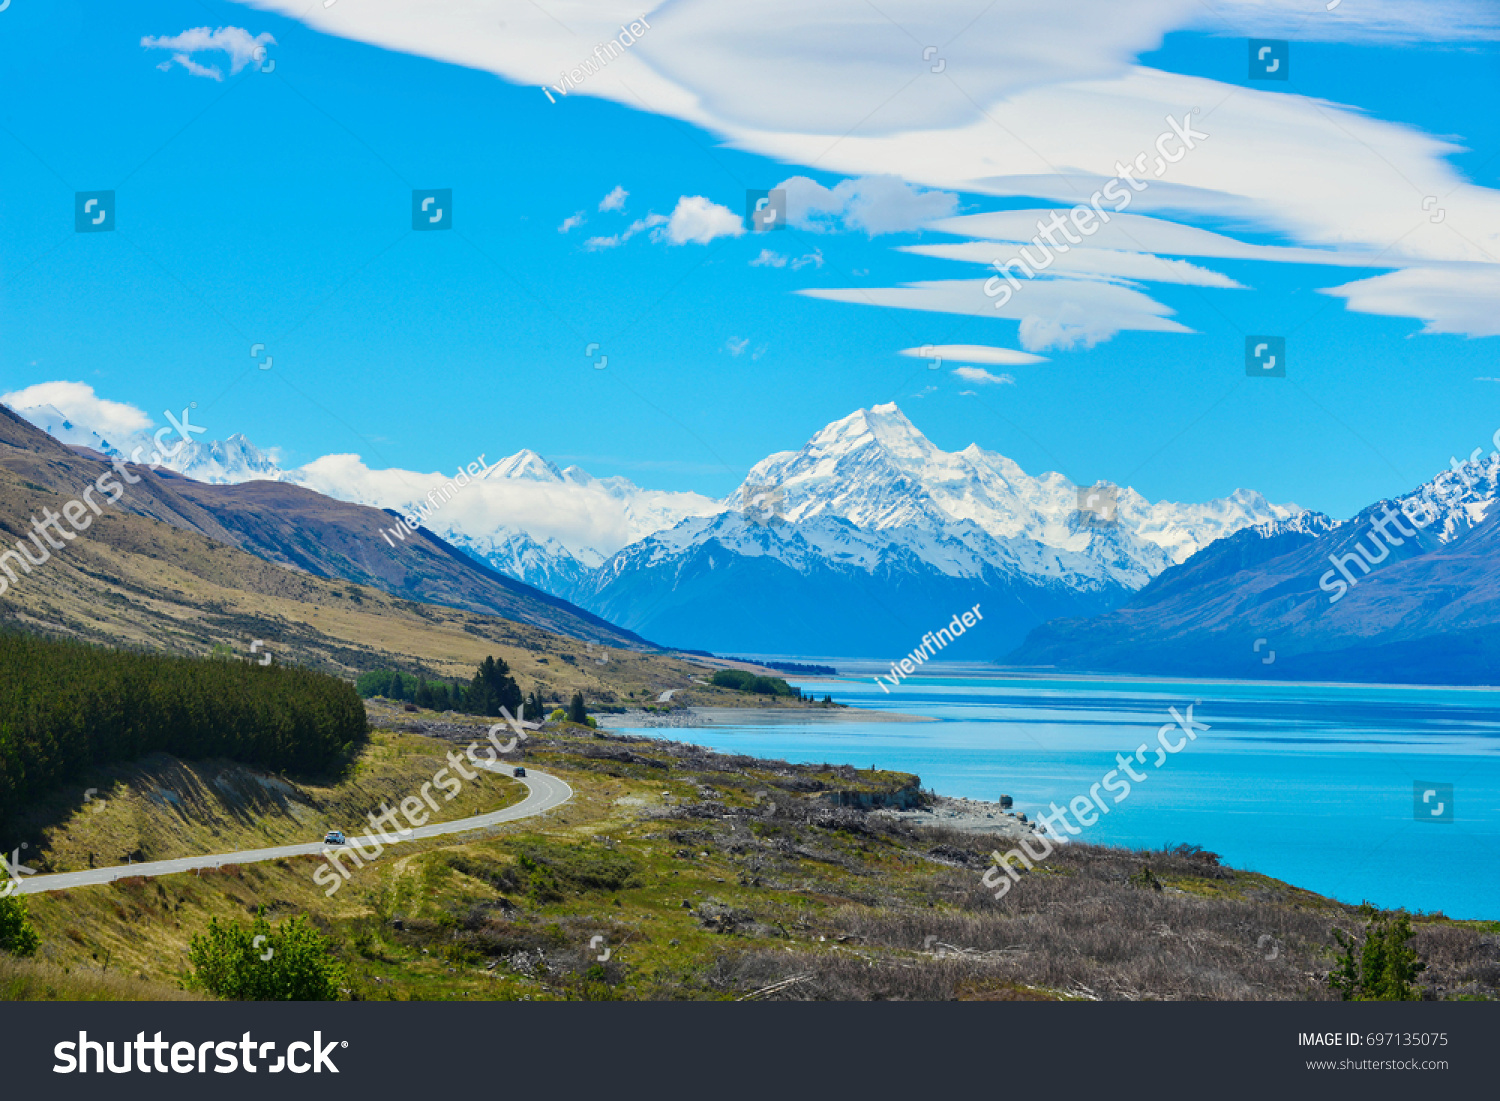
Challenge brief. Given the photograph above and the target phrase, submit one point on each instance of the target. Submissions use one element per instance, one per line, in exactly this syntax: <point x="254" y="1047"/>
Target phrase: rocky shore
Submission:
<point x="969" y="815"/>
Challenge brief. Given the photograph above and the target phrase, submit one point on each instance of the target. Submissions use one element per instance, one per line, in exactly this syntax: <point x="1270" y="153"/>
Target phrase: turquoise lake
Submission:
<point x="1321" y="786"/>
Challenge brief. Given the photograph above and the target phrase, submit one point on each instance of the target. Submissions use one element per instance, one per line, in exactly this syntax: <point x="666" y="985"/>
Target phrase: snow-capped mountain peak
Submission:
<point x="526" y="465"/>
<point x="868" y="504"/>
<point x="877" y="471"/>
<point x="1454" y="500"/>
<point x="226" y="462"/>
<point x="56" y="424"/>
<point x="218" y="462"/>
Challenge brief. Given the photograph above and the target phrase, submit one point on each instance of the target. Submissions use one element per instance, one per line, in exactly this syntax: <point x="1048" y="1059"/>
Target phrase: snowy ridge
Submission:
<point x="226" y="462"/>
<point x="1452" y="503"/>
<point x="876" y="471"/>
<point x="867" y="493"/>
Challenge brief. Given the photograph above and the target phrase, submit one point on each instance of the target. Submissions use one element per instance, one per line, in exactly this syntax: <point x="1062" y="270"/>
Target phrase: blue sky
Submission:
<point x="275" y="208"/>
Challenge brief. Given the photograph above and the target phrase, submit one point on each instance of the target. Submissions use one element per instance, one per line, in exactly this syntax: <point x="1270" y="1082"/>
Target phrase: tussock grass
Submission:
<point x="40" y="981"/>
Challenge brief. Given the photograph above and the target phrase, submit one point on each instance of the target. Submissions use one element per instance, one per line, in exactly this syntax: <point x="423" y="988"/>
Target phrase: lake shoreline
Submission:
<point x="1345" y="758"/>
<point x="933" y="671"/>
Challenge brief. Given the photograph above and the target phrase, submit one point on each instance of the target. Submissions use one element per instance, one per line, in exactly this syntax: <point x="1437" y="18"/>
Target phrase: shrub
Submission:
<point x="291" y="963"/>
<point x="744" y="681"/>
<point x="578" y="867"/>
<point x="17" y="934"/>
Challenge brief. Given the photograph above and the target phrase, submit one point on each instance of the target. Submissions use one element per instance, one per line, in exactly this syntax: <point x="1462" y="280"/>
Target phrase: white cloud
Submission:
<point x="873" y="204"/>
<point x="572" y="221"/>
<point x="193" y="68"/>
<point x="1137" y="233"/>
<point x="843" y="85"/>
<point x="1460" y="298"/>
<point x="584" y="514"/>
<point x="976" y="353"/>
<point x="1054" y="313"/>
<point x="736" y="344"/>
<point x="697" y="220"/>
<point x="615" y="200"/>
<point x="1064" y="332"/>
<point x="650" y="220"/>
<point x="983" y="377"/>
<point x="1397" y="22"/>
<point x="238" y="43"/>
<point x="770" y="259"/>
<point x="78" y="402"/>
<point x="1083" y="263"/>
<point x="831" y="66"/>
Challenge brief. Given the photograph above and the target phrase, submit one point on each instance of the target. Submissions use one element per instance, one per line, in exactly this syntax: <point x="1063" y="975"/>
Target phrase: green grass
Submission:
<point x="786" y="897"/>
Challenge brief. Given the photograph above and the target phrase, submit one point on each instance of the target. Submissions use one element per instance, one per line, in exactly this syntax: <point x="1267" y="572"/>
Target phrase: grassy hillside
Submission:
<point x="160" y="808"/>
<point x="152" y="579"/>
<point x="288" y="525"/>
<point x="717" y="877"/>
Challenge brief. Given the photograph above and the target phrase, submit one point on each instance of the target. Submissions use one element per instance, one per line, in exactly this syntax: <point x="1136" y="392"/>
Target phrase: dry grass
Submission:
<point x="1085" y="924"/>
<point x="40" y="981"/>
<point x="730" y="894"/>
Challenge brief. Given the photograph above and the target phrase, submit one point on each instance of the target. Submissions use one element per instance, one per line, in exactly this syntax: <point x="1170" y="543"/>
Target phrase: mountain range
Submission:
<point x="288" y="526"/>
<point x="1407" y="591"/>
<point x="855" y="544"/>
<point x="869" y="536"/>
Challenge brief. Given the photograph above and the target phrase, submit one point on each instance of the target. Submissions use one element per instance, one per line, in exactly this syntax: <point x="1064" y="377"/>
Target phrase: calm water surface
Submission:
<point x="1311" y="784"/>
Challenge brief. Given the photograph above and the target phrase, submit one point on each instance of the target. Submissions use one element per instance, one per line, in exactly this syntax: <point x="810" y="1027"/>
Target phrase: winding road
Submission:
<point x="543" y="793"/>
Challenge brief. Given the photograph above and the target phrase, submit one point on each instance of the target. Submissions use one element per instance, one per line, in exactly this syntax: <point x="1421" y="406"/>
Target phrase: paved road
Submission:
<point x="666" y="697"/>
<point x="543" y="793"/>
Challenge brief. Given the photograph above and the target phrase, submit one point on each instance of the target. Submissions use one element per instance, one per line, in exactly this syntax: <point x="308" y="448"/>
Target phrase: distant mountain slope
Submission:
<point x="218" y="462"/>
<point x="865" y="536"/>
<point x="870" y="536"/>
<point x="303" y="530"/>
<point x="1426" y="610"/>
<point x="294" y="526"/>
<point x="827" y="587"/>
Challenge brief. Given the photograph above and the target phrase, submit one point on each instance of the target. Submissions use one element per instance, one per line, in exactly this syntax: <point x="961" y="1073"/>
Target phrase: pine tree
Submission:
<point x="533" y="707"/>
<point x="577" y="713"/>
<point x="1385" y="969"/>
<point x="423" y="695"/>
<point x="479" y="701"/>
<point x="493" y="688"/>
<point x="68" y="706"/>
